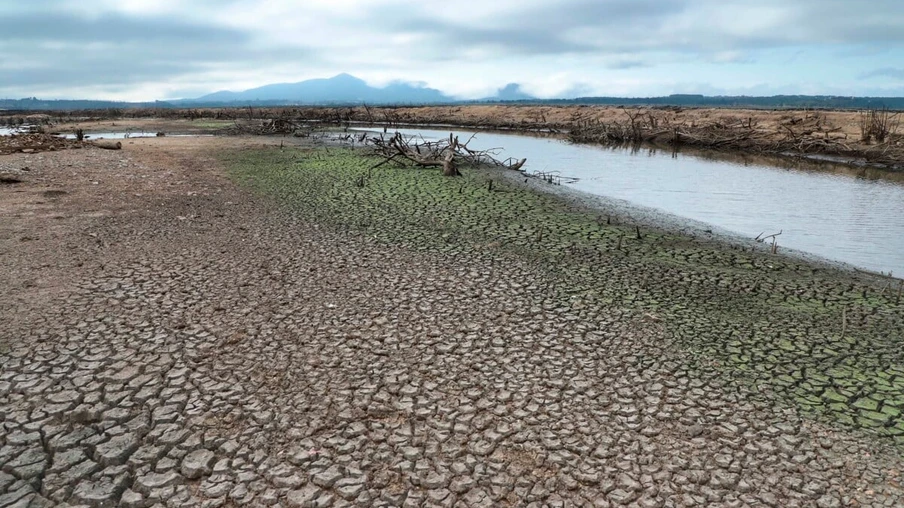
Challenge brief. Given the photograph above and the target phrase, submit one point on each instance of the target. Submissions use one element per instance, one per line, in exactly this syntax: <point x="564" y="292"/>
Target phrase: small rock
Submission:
<point x="327" y="478"/>
<point x="131" y="499"/>
<point x="197" y="464"/>
<point x="99" y="494"/>
<point x="303" y="497"/>
<point x="156" y="480"/>
<point x="117" y="450"/>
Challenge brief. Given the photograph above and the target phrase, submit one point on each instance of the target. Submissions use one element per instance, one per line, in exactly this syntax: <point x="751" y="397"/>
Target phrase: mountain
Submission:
<point x="346" y="89"/>
<point x="512" y="92"/>
<point x="35" y="104"/>
<point x="343" y="88"/>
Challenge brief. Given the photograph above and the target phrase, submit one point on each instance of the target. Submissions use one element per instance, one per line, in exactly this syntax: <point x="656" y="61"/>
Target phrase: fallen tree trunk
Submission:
<point x="108" y="145"/>
<point x="449" y="168"/>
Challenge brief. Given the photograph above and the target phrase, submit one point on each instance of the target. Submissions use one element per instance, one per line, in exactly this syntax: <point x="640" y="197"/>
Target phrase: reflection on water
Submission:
<point x="114" y="135"/>
<point x="103" y="135"/>
<point x="128" y="135"/>
<point x="849" y="214"/>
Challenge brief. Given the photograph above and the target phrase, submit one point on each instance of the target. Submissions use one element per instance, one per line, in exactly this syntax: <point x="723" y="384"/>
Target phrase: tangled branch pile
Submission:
<point x="810" y="134"/>
<point x="878" y="124"/>
<point x="35" y="143"/>
<point x="448" y="154"/>
<point x="280" y="125"/>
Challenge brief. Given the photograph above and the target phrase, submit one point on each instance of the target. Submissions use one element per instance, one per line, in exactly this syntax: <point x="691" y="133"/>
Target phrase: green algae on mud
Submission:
<point x="816" y="338"/>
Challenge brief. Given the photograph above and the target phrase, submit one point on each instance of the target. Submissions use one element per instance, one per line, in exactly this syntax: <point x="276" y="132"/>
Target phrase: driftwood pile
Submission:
<point x="806" y="135"/>
<point x="279" y="125"/>
<point x="448" y="154"/>
<point x="32" y="143"/>
<point x="28" y="143"/>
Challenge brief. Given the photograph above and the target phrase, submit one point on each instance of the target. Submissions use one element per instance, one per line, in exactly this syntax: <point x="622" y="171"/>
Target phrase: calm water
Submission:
<point x="830" y="212"/>
<point x="4" y="131"/>
<point x="114" y="135"/>
<point x="128" y="135"/>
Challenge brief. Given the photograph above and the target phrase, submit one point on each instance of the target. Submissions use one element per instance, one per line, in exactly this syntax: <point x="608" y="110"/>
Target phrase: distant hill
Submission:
<point x="742" y="101"/>
<point x="35" y="104"/>
<point x="512" y="92"/>
<point x="342" y="89"/>
<point x="346" y="89"/>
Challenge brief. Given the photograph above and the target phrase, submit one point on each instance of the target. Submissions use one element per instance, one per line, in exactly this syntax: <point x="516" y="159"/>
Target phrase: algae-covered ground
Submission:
<point x="818" y="339"/>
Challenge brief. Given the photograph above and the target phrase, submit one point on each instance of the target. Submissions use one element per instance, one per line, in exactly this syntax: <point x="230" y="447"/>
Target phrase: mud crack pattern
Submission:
<point x="225" y="354"/>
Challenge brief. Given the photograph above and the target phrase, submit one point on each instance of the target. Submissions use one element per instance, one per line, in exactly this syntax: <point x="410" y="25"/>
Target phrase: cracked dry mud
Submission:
<point x="168" y="339"/>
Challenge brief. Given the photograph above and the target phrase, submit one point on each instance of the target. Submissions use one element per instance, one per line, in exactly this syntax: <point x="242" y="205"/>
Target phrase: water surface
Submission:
<point x="114" y="135"/>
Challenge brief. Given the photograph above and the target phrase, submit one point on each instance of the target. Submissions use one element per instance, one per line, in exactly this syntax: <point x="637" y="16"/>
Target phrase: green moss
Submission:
<point x="866" y="404"/>
<point x="875" y="418"/>
<point x="831" y="395"/>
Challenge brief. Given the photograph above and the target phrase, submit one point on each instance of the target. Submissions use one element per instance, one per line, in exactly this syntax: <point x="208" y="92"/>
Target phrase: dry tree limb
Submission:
<point x="761" y="238"/>
<point x="447" y="154"/>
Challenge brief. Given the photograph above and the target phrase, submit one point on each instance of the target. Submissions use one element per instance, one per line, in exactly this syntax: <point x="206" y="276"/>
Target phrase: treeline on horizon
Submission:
<point x="680" y="100"/>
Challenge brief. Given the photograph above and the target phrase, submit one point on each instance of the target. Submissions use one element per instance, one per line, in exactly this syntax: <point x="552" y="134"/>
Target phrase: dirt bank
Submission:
<point x="785" y="132"/>
<point x="868" y="137"/>
<point x="854" y="136"/>
<point x="221" y="321"/>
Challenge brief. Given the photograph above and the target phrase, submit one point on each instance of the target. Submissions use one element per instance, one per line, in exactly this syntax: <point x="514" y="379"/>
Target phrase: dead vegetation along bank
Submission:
<point x="809" y="134"/>
<point x="869" y="135"/>
<point x="445" y="153"/>
<point x="32" y="143"/>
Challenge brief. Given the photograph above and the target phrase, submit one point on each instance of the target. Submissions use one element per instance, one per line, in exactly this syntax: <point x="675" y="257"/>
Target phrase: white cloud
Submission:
<point x="147" y="49"/>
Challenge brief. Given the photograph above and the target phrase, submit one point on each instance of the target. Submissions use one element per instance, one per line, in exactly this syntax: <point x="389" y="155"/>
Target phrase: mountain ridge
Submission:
<point x="342" y="88"/>
<point x="347" y="90"/>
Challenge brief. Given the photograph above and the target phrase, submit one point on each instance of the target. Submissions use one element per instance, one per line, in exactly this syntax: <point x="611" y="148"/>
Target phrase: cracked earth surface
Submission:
<point x="169" y="340"/>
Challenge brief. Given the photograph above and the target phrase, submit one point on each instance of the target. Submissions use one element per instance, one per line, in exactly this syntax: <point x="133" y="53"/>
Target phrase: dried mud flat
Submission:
<point x="169" y="338"/>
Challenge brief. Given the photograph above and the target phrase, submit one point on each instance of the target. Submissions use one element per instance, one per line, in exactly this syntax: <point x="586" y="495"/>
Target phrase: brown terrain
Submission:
<point x="790" y="132"/>
<point x="168" y="338"/>
<point x="858" y="136"/>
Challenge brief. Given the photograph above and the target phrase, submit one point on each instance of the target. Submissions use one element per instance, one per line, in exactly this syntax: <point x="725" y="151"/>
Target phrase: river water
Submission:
<point x="845" y="214"/>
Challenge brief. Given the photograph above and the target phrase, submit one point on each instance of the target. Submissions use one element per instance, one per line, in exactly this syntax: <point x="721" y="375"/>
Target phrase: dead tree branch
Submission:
<point x="448" y="154"/>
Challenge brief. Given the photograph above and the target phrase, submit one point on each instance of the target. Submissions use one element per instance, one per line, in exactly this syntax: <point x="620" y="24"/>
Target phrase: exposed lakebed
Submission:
<point x="836" y="212"/>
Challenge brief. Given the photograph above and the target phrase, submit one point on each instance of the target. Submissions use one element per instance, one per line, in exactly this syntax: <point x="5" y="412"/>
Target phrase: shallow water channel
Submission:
<point x="845" y="214"/>
<point x="114" y="135"/>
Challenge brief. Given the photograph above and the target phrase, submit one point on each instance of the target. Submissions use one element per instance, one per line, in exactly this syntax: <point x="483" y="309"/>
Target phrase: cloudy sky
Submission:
<point x="159" y="49"/>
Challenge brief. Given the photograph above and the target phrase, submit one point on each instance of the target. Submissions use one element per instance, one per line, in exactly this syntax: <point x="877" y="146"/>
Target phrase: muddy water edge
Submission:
<point x="842" y="213"/>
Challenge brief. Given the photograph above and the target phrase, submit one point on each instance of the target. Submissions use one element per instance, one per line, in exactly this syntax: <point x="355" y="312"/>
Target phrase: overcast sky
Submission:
<point x="159" y="49"/>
